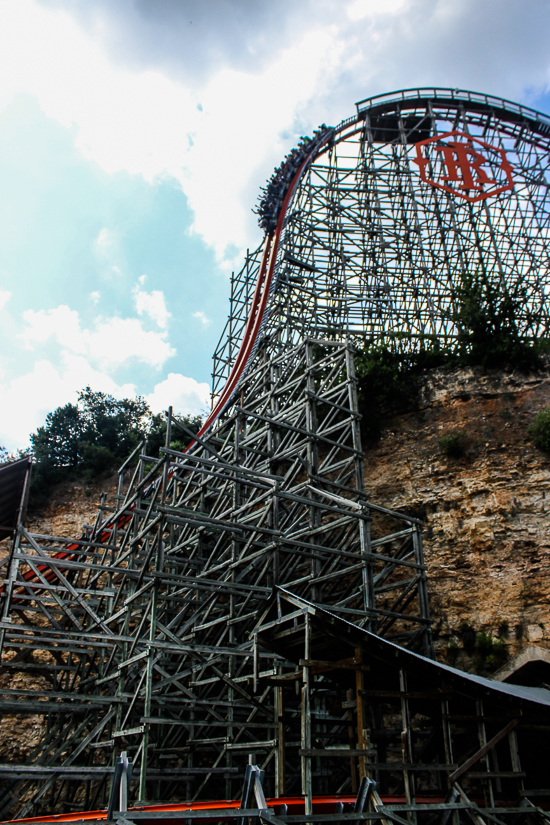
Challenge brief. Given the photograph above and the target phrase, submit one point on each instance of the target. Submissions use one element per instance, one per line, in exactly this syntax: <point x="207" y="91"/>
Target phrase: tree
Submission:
<point x="114" y="425"/>
<point x="98" y="431"/>
<point x="90" y="438"/>
<point x="58" y="442"/>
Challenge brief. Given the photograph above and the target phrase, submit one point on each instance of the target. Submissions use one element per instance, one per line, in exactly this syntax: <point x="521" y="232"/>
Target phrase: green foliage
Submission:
<point x="453" y="445"/>
<point x="97" y="461"/>
<point x="98" y="432"/>
<point x="452" y="652"/>
<point x="115" y="425"/>
<point x="486" y="316"/>
<point x="57" y="443"/>
<point x="90" y="439"/>
<point x="389" y="377"/>
<point x="539" y="431"/>
<point x="484" y="643"/>
<point x="490" y="652"/>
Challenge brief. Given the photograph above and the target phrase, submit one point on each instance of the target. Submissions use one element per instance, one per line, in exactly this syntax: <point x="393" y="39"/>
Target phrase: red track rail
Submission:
<point x="295" y="805"/>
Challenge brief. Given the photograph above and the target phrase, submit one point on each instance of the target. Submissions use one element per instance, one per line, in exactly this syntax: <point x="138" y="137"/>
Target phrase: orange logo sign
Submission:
<point x="466" y="166"/>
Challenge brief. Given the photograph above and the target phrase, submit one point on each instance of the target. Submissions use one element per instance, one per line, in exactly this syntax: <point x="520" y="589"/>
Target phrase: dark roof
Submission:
<point x="333" y="632"/>
<point x="12" y="483"/>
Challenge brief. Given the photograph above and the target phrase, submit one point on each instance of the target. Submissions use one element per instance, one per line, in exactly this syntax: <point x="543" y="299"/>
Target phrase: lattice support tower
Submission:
<point x="150" y="633"/>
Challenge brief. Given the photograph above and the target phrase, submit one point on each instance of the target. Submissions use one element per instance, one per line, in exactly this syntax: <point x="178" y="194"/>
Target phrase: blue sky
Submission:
<point x="134" y="137"/>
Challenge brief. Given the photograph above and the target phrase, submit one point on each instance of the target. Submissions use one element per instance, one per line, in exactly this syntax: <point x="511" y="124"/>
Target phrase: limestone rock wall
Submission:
<point x="487" y="512"/>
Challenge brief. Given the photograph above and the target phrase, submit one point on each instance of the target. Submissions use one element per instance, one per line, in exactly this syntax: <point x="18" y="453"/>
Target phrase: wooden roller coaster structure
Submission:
<point x="141" y="636"/>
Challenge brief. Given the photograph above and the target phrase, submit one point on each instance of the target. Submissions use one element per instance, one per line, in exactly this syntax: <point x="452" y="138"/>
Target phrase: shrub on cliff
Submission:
<point x="453" y="445"/>
<point x="539" y="431"/>
<point x="389" y="376"/>
<point x="486" y="317"/>
<point x="490" y="653"/>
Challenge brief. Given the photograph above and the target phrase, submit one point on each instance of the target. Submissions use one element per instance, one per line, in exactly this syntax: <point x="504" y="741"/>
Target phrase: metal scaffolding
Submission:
<point x="147" y="633"/>
<point x="140" y="637"/>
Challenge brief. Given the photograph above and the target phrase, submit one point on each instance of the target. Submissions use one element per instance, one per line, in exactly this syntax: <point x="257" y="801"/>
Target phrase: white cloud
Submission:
<point x="61" y="323"/>
<point x="322" y="60"/>
<point x="27" y="399"/>
<point x="112" y="343"/>
<point x="118" y="340"/>
<point x="106" y="242"/>
<point x="94" y="297"/>
<point x="223" y="174"/>
<point x="107" y="251"/>
<point x="126" y="120"/>
<point x="363" y="8"/>
<point x="202" y="318"/>
<point x="185" y="395"/>
<point x="151" y="304"/>
<point x="4" y="298"/>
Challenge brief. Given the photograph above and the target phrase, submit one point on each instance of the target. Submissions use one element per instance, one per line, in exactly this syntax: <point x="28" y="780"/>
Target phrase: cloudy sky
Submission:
<point x="134" y="137"/>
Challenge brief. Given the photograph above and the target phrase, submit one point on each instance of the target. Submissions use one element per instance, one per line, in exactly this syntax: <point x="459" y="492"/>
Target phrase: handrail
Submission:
<point x="458" y="95"/>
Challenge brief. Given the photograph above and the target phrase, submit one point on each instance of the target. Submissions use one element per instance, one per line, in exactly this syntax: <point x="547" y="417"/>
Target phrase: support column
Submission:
<point x="406" y="739"/>
<point x="306" y="723"/>
<point x="149" y="675"/>
<point x="280" y="769"/>
<point x="362" y="740"/>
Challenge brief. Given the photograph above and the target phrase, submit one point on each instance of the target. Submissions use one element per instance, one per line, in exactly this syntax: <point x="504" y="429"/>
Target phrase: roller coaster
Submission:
<point x="147" y="636"/>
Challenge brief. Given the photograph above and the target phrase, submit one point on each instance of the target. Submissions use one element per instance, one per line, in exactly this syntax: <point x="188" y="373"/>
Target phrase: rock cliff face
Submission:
<point x="487" y="511"/>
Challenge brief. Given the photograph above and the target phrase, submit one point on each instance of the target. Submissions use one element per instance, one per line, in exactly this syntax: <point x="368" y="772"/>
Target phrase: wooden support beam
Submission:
<point x="320" y="666"/>
<point x="362" y="741"/>
<point x="407" y="694"/>
<point x="483" y="750"/>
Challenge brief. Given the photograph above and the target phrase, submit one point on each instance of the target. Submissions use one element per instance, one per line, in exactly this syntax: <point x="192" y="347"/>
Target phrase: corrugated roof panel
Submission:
<point x="540" y="696"/>
<point x="12" y="483"/>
